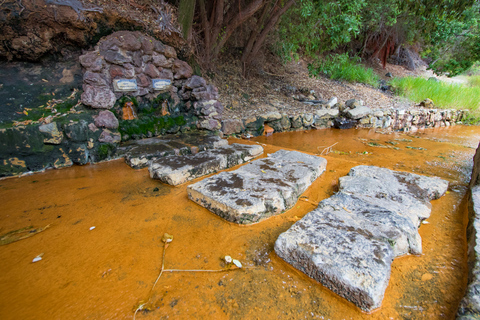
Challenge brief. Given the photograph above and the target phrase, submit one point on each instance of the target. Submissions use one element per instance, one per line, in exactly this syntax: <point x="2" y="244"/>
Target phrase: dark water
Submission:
<point x="30" y="85"/>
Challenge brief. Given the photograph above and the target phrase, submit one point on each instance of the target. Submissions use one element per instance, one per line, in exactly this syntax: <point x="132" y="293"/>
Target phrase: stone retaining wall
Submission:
<point x="470" y="305"/>
<point x="343" y="117"/>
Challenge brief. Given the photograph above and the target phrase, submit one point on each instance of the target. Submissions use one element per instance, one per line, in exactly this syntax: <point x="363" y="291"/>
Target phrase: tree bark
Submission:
<point x="235" y="22"/>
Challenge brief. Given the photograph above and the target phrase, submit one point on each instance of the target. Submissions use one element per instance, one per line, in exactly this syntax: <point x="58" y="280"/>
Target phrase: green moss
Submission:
<point x="105" y="151"/>
<point x="260" y="130"/>
<point x="150" y="123"/>
<point x="180" y="121"/>
<point x="35" y="114"/>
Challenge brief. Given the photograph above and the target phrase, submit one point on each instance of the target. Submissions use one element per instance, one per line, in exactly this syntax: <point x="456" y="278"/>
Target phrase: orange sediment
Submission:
<point x="106" y="272"/>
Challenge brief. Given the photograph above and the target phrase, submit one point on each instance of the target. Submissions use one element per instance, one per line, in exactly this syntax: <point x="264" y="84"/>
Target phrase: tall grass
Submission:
<point x="342" y="67"/>
<point x="444" y="95"/>
<point x="474" y="81"/>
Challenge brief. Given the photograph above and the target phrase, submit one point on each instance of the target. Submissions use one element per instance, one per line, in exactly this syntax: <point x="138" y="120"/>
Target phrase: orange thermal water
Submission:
<point x="107" y="272"/>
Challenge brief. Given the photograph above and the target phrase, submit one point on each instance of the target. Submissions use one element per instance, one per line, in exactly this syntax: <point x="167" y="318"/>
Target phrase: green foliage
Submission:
<point x="317" y="26"/>
<point x="106" y="150"/>
<point x="448" y="30"/>
<point x="444" y="95"/>
<point x="342" y="67"/>
<point x="453" y="44"/>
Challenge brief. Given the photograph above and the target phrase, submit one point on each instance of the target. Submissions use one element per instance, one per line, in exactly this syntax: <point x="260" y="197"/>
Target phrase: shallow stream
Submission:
<point x="106" y="272"/>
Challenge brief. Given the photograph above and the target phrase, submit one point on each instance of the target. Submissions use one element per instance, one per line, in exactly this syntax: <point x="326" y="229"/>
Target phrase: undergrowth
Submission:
<point x="343" y="67"/>
<point x="444" y="95"/>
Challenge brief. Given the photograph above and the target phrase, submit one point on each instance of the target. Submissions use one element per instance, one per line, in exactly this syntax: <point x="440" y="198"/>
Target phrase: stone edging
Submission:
<point x="470" y="305"/>
<point x="351" y="115"/>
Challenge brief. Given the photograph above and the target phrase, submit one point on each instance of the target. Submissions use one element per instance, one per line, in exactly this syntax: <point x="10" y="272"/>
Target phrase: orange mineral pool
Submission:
<point x="101" y="251"/>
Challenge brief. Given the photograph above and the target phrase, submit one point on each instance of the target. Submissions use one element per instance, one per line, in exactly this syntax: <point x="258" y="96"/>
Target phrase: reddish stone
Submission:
<point x="151" y="71"/>
<point x="169" y="52"/>
<point x="160" y="61"/>
<point x="94" y="79"/>
<point x="267" y="130"/>
<point x="106" y="119"/>
<point x="143" y="80"/>
<point x="129" y="40"/>
<point x="182" y="70"/>
<point x="92" y="61"/>
<point x="165" y="74"/>
<point x="116" y="71"/>
<point x="147" y="45"/>
<point x="98" y="97"/>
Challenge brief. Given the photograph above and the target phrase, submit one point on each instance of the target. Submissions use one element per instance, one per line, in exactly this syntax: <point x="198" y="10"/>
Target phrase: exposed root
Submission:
<point x="19" y="234"/>
<point x="231" y="265"/>
<point x="327" y="150"/>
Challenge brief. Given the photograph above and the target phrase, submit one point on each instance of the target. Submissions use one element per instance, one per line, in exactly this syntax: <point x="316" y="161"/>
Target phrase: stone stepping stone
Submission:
<point x="138" y="153"/>
<point x="349" y="242"/>
<point x="260" y="189"/>
<point x="176" y="170"/>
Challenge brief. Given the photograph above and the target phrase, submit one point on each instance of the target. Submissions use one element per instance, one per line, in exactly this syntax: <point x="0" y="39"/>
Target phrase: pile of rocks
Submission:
<point x="148" y="68"/>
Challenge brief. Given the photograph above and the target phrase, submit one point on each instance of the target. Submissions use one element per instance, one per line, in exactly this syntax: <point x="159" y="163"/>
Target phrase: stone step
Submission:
<point x="260" y="189"/>
<point x="348" y="242"/>
<point x="176" y="170"/>
<point x="137" y="153"/>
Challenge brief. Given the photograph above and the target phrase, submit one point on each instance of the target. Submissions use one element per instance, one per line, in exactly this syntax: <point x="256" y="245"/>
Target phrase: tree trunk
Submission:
<point x="257" y="39"/>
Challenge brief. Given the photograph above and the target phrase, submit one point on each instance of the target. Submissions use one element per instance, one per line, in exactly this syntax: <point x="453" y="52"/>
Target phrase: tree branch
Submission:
<point x="241" y="17"/>
<point x="271" y="23"/>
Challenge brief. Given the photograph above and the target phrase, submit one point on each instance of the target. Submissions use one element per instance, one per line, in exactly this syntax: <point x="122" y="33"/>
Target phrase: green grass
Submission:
<point x="444" y="95"/>
<point x="474" y="81"/>
<point x="342" y="67"/>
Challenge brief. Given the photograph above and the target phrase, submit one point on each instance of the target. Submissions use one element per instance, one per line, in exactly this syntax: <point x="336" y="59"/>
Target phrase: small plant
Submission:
<point x="342" y="67"/>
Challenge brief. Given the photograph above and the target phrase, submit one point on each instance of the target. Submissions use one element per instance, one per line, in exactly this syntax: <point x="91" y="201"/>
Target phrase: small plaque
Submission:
<point x="161" y="84"/>
<point x="125" y="85"/>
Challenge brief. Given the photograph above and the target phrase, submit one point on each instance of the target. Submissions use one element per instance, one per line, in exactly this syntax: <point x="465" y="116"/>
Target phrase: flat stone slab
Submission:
<point x="138" y="153"/>
<point x="176" y="170"/>
<point x="260" y="189"/>
<point x="410" y="193"/>
<point x="348" y="243"/>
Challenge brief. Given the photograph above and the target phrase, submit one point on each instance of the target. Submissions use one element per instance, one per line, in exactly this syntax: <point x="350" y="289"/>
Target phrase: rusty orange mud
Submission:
<point x="108" y="271"/>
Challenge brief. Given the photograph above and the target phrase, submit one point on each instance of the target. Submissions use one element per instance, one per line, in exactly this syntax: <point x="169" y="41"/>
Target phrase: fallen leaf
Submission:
<point x="167" y="238"/>
<point x="237" y="263"/>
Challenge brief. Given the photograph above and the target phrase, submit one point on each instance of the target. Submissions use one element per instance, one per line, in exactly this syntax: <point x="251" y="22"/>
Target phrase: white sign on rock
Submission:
<point x="161" y="84"/>
<point x="125" y="85"/>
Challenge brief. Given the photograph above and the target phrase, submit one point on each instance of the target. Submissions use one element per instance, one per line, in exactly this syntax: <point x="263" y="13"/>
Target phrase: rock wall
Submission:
<point x="133" y="56"/>
<point x="352" y="114"/>
<point x="470" y="305"/>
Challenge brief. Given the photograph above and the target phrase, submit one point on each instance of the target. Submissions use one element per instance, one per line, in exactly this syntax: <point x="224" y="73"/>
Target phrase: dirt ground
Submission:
<point x="277" y="88"/>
